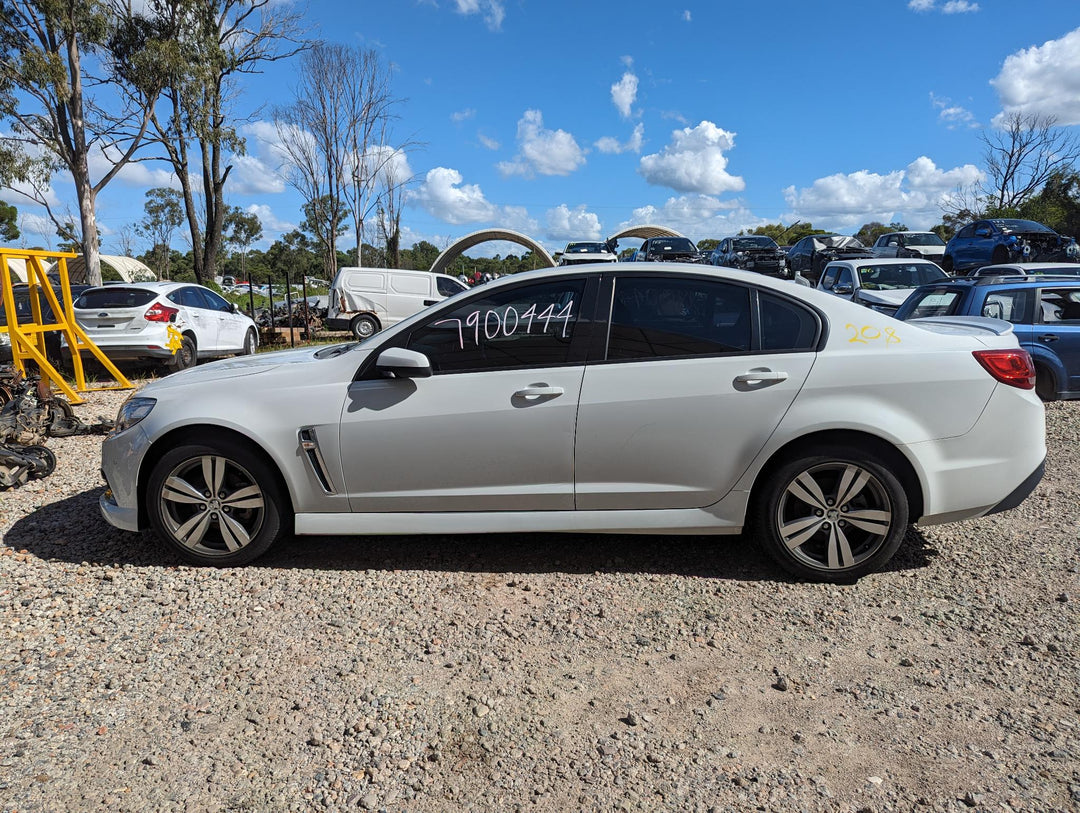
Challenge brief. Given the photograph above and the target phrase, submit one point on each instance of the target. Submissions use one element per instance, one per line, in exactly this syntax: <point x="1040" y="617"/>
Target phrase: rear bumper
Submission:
<point x="1021" y="492"/>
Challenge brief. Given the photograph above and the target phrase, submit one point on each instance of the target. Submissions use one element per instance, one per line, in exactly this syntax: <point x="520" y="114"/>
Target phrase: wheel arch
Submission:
<point x="196" y="433"/>
<point x="901" y="467"/>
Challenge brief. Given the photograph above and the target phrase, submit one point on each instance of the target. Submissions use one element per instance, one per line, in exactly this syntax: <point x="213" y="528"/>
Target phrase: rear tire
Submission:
<point x="833" y="514"/>
<point x="364" y="326"/>
<point x="185" y="357"/>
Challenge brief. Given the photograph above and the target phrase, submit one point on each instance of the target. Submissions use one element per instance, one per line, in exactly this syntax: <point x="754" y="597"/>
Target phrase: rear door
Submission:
<point x="195" y="314"/>
<point x="232" y="327"/>
<point x="1057" y="331"/>
<point x="695" y="375"/>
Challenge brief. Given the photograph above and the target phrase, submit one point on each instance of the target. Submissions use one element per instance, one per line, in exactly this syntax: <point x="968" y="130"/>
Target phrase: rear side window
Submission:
<point x="115" y="297"/>
<point x="786" y="325"/>
<point x="935" y="302"/>
<point x="1012" y="306"/>
<point x="1060" y="305"/>
<point x="448" y="287"/>
<point x="655" y="317"/>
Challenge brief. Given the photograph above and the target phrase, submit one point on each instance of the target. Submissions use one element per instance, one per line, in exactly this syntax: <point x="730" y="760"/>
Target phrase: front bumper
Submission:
<point x="121" y="459"/>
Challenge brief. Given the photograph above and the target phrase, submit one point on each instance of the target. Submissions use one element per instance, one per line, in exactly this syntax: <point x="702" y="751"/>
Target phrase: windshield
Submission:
<point x="741" y="243"/>
<point x="1020" y="225"/>
<point x="672" y="244"/>
<point x="585" y="248"/>
<point x="927" y="238"/>
<point x="899" y="275"/>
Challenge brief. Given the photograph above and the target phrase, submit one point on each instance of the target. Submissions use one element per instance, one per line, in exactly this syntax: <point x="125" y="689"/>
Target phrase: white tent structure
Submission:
<point x="129" y="269"/>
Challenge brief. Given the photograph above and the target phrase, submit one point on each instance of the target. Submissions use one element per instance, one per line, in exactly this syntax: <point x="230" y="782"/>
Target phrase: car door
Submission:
<point x="197" y="317"/>
<point x="232" y="327"/>
<point x="493" y="428"/>
<point x="1056" y="332"/>
<point x="694" y="377"/>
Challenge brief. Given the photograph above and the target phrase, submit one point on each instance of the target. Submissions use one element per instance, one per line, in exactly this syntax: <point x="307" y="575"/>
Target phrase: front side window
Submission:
<point x="844" y="278"/>
<point x="671" y="317"/>
<point x="830" y="276"/>
<point x="525" y="326"/>
<point x="216" y="302"/>
<point x="448" y="287"/>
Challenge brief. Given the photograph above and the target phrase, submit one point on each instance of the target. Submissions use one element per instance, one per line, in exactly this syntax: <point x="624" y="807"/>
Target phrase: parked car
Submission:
<point x="668" y="250"/>
<point x="751" y="252"/>
<point x="366" y="300"/>
<point x="879" y="284"/>
<point x="1006" y="240"/>
<point x="924" y="245"/>
<point x="176" y="323"/>
<point x="582" y="253"/>
<point x="712" y="403"/>
<point x="25" y="313"/>
<point x="1027" y="269"/>
<point x="1044" y="312"/>
<point x="810" y="255"/>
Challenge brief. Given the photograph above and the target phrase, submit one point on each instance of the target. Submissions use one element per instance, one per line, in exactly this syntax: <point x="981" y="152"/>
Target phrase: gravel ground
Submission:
<point x="536" y="672"/>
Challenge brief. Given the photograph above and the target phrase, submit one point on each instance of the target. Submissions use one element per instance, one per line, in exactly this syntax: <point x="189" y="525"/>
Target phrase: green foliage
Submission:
<point x="787" y="235"/>
<point x="707" y="245"/>
<point x="870" y="232"/>
<point x="9" y="229"/>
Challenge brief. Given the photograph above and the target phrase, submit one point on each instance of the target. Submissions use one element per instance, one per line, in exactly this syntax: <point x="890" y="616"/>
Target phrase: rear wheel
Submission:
<point x="832" y="514"/>
<point x="1045" y="384"/>
<point x="185" y="357"/>
<point x="363" y="326"/>
<point x="215" y="505"/>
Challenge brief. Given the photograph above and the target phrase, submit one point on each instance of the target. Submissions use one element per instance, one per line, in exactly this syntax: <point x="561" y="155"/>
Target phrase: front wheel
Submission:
<point x="215" y="505"/>
<point x="251" y="341"/>
<point x="832" y="515"/>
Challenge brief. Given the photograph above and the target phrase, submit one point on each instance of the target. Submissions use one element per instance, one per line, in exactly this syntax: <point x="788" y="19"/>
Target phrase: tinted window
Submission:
<point x="844" y="277"/>
<point x="935" y="302"/>
<point x="655" y="317"/>
<point x="966" y="232"/>
<point x="115" y="297"/>
<point x="188" y="297"/>
<point x="830" y="276"/>
<point x="526" y="326"/>
<point x="217" y="303"/>
<point x="786" y="325"/>
<point x="1060" y="305"/>
<point x="448" y="287"/>
<point x="1012" y="306"/>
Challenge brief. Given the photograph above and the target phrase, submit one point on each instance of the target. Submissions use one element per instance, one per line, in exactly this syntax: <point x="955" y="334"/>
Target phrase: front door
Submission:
<point x="493" y="428"/>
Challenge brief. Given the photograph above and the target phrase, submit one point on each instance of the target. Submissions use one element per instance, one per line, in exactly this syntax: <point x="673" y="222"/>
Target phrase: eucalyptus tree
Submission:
<point x="163" y="214"/>
<point x="241" y="230"/>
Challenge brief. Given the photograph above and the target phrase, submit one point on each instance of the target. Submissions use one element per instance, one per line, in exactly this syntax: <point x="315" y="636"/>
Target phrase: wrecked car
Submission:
<point x="1006" y="240"/>
<point x="811" y="254"/>
<point x="585" y="252"/>
<point x="668" y="250"/>
<point x="751" y="252"/>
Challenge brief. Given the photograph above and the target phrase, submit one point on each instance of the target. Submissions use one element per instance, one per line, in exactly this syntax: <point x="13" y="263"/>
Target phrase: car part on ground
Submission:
<point x="996" y="241"/>
<point x="519" y="407"/>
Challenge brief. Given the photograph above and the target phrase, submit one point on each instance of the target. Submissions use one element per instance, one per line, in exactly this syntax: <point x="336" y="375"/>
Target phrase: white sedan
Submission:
<point x="627" y="398"/>
<point x="883" y="285"/>
<point x="173" y="322"/>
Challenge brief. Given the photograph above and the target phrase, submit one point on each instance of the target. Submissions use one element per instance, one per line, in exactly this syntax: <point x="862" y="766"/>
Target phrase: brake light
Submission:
<point x="160" y="313"/>
<point x="1012" y="367"/>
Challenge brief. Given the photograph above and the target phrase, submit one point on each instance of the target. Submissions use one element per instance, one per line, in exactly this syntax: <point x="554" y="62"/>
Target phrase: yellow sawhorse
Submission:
<point x="28" y="339"/>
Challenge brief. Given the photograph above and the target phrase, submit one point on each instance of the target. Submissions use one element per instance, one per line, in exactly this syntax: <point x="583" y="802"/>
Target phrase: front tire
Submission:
<point x="217" y="505"/>
<point x="251" y="342"/>
<point x="832" y="514"/>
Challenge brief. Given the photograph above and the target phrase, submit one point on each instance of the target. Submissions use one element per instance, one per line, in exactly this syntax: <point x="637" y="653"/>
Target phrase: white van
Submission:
<point x="366" y="300"/>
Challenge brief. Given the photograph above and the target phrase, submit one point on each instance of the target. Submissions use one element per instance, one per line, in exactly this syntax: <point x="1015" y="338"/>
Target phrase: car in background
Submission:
<point x="1029" y="269"/>
<point x="879" y="284"/>
<point x="25" y="313"/>
<point x="582" y="253"/>
<point x="751" y="252"/>
<point x="668" y="250"/>
<point x="1043" y="310"/>
<point x="924" y="245"/>
<point x="717" y="400"/>
<point x="176" y="323"/>
<point x="809" y="256"/>
<point x="998" y="241"/>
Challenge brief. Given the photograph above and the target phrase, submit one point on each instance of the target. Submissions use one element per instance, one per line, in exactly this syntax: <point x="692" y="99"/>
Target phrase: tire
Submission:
<point x="1000" y="255"/>
<point x="44" y="461"/>
<point x="811" y="528"/>
<point x="1045" y="383"/>
<point x="947" y="265"/>
<point x="251" y="343"/>
<point x="185" y="357"/>
<point x="221" y="531"/>
<point x="364" y="326"/>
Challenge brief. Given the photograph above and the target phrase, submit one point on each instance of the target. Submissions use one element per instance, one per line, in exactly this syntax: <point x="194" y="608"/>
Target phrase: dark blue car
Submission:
<point x="1005" y="240"/>
<point x="1044" y="311"/>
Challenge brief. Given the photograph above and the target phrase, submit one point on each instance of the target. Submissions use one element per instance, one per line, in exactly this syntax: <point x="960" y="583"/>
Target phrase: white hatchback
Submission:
<point x="621" y="398"/>
<point x="174" y="322"/>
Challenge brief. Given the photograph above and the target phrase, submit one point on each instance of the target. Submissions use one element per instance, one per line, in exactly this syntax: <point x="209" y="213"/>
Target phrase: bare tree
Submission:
<point x="393" y="181"/>
<point x="340" y="108"/>
<point x="59" y="119"/>
<point x="1021" y="156"/>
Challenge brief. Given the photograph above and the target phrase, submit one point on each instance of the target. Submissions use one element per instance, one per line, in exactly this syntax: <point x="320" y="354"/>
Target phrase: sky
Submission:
<point x="574" y="120"/>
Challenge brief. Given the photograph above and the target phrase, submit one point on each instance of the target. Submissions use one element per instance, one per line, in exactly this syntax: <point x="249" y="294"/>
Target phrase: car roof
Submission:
<point x="1021" y="267"/>
<point x="883" y="261"/>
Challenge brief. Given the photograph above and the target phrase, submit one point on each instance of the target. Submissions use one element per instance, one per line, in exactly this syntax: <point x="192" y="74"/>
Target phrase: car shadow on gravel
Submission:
<point x="72" y="530"/>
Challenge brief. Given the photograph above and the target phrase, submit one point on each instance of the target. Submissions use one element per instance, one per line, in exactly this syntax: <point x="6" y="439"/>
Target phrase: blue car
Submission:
<point x="1044" y="311"/>
<point x="1005" y="240"/>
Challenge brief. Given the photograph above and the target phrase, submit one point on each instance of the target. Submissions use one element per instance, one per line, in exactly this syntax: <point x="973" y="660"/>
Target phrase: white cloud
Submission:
<point x="913" y="194"/>
<point x="959" y="7"/>
<point x="489" y="143"/>
<point x="463" y="115"/>
<point x="251" y="176"/>
<point x="444" y="197"/>
<point x="494" y="11"/>
<point x="1043" y="80"/>
<point x="694" y="161"/>
<point x="686" y="16"/>
<point x="273" y="226"/>
<point x="921" y="5"/>
<point x="542" y="151"/>
<point x="611" y="146"/>
<point x="624" y="94"/>
<point x="952" y="116"/>
<point x="564" y="223"/>
<point x="696" y="216"/>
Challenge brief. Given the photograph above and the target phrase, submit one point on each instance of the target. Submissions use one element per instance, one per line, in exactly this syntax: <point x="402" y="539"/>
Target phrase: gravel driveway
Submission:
<point x="536" y="672"/>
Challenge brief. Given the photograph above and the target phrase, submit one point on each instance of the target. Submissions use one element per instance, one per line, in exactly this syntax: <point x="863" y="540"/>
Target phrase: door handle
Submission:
<point x="430" y="301"/>
<point x="759" y="376"/>
<point x="1049" y="337"/>
<point x="539" y="392"/>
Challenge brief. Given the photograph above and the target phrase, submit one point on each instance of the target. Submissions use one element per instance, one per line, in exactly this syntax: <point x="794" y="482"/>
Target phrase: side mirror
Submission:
<point x="842" y="290"/>
<point x="397" y="362"/>
<point x="234" y="308"/>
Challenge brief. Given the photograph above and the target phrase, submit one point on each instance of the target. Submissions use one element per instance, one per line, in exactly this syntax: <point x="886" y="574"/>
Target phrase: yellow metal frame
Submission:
<point x="28" y="339"/>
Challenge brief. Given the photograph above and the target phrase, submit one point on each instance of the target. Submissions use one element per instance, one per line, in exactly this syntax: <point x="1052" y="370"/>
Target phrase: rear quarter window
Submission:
<point x="937" y="302"/>
<point x="113" y="297"/>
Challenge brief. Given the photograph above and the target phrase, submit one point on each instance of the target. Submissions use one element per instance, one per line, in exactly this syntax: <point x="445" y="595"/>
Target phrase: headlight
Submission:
<point x="133" y="410"/>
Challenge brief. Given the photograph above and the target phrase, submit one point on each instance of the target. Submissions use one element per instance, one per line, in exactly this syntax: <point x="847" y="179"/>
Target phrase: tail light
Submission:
<point x="1012" y="367"/>
<point x="160" y="313"/>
